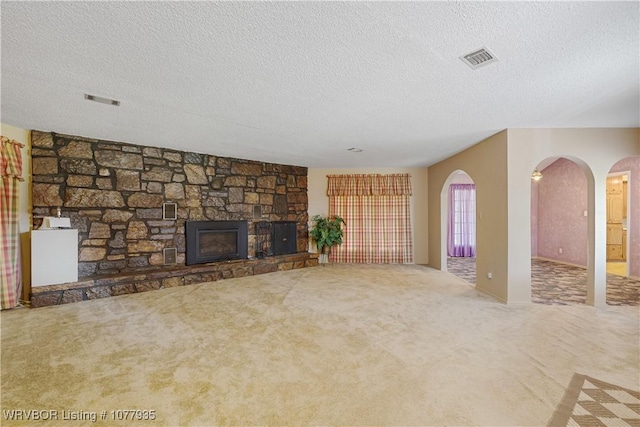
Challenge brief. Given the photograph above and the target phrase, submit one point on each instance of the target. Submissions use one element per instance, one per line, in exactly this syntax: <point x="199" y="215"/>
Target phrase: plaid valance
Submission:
<point x="369" y="185"/>
<point x="10" y="158"/>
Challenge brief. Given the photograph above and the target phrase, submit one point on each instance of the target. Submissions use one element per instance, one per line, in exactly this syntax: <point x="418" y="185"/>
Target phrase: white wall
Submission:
<point x="319" y="202"/>
<point x="486" y="164"/>
<point x="596" y="151"/>
<point x="501" y="167"/>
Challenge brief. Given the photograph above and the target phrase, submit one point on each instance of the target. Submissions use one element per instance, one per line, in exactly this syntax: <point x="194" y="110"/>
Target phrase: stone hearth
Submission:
<point x="142" y="281"/>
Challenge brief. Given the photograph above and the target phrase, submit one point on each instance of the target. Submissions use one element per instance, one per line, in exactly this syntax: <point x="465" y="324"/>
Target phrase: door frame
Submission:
<point x="628" y="202"/>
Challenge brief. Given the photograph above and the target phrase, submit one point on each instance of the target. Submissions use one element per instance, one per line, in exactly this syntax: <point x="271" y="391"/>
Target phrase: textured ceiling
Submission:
<point x="301" y="82"/>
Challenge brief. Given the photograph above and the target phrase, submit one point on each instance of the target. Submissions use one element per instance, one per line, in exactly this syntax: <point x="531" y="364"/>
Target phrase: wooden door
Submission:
<point x="614" y="234"/>
<point x="616" y="213"/>
<point x="614" y="253"/>
<point x="615" y="209"/>
<point x="614" y="185"/>
<point x="614" y="242"/>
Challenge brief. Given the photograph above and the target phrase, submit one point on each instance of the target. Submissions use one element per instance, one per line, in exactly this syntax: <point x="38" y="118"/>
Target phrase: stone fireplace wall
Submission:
<point x="113" y="192"/>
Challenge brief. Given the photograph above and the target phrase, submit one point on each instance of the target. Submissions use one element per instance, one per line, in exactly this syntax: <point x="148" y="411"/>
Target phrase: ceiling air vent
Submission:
<point x="479" y="58"/>
<point x="101" y="100"/>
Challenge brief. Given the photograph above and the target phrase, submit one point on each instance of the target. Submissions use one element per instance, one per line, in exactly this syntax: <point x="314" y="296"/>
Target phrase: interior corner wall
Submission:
<point x="486" y="163"/>
<point x="596" y="150"/>
<point x="319" y="201"/>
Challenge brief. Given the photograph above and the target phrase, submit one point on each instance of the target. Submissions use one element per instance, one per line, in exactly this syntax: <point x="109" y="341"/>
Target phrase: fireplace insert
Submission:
<point x="209" y="241"/>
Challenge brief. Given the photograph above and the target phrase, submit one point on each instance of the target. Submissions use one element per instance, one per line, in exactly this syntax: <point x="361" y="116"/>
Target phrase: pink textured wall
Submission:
<point x="562" y="200"/>
<point x="632" y="164"/>
<point x="534" y="218"/>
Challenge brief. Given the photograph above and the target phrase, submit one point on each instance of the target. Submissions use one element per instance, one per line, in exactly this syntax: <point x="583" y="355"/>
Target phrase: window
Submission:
<point x="462" y="220"/>
<point x="376" y="211"/>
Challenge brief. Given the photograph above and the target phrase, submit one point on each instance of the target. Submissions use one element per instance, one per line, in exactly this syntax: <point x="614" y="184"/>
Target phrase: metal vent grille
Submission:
<point x="169" y="211"/>
<point x="170" y="256"/>
<point x="479" y="58"/>
<point x="101" y="100"/>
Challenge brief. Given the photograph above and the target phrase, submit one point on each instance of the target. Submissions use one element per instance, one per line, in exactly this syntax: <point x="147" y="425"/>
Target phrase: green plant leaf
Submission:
<point x="327" y="231"/>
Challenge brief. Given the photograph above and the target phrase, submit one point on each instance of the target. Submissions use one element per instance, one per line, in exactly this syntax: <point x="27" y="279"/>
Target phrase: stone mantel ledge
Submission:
<point x="84" y="283"/>
<point x="166" y="277"/>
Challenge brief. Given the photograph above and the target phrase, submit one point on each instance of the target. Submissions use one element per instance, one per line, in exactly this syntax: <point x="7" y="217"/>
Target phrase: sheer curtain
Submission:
<point x="461" y="236"/>
<point x="10" y="174"/>
<point x="376" y="210"/>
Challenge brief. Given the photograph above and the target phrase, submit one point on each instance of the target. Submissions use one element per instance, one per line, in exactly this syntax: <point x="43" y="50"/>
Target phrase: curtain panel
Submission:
<point x="461" y="236"/>
<point x="10" y="175"/>
<point x="376" y="210"/>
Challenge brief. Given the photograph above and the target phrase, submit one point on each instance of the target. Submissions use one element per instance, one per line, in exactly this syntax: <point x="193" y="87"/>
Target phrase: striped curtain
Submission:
<point x="10" y="174"/>
<point x="376" y="210"/>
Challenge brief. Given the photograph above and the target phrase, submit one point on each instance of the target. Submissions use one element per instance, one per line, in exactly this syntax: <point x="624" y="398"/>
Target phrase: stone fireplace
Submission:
<point x="210" y="241"/>
<point x="114" y="194"/>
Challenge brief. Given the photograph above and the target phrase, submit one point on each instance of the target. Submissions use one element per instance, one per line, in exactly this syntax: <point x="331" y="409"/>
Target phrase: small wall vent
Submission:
<point x="169" y="211"/>
<point x="170" y="256"/>
<point x="479" y="58"/>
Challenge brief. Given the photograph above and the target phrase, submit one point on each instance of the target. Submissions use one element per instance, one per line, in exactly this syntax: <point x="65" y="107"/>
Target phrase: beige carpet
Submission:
<point x="335" y="345"/>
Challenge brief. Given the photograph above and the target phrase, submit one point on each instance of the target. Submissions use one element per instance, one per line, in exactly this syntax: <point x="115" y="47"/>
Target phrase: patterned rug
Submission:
<point x="553" y="283"/>
<point x="591" y="402"/>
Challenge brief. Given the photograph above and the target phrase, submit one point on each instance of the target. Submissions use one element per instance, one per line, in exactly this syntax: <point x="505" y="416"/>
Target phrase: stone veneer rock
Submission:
<point x="113" y="192"/>
<point x="148" y="280"/>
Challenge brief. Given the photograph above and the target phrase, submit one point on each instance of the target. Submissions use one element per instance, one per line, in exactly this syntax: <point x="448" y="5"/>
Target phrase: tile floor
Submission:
<point x="559" y="284"/>
<point x="617" y="268"/>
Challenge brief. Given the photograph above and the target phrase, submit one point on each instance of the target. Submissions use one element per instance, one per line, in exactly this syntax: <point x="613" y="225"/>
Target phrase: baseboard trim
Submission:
<point x="575" y="265"/>
<point x="559" y="262"/>
<point x="489" y="294"/>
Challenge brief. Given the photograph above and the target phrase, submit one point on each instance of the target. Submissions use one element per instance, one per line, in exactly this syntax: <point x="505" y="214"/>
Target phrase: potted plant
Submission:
<point x="326" y="232"/>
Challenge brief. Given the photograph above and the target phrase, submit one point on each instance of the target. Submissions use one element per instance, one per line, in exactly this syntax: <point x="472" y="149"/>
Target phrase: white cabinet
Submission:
<point x="54" y="257"/>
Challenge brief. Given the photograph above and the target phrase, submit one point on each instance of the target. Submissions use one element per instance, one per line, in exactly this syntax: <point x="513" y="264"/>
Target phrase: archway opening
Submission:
<point x="459" y="238"/>
<point x="623" y="232"/>
<point x="559" y="232"/>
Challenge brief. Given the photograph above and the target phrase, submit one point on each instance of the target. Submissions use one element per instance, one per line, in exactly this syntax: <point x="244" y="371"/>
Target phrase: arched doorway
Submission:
<point x="623" y="232"/>
<point x="559" y="232"/>
<point x="459" y="219"/>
